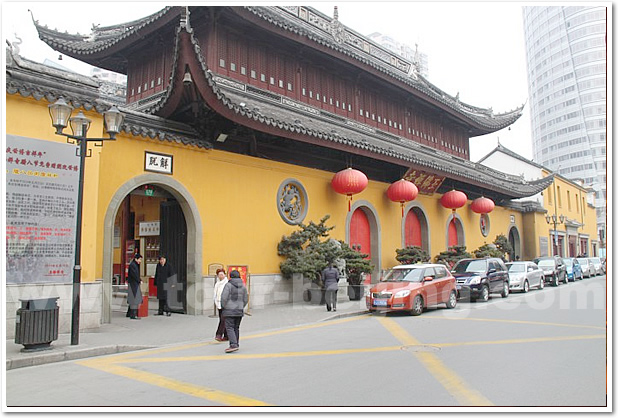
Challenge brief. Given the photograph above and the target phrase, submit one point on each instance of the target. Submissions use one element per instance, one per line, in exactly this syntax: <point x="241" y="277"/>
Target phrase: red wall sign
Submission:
<point x="426" y="183"/>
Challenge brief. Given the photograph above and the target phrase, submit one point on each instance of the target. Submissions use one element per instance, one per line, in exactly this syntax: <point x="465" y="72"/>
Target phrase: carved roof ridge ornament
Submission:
<point x="337" y="29"/>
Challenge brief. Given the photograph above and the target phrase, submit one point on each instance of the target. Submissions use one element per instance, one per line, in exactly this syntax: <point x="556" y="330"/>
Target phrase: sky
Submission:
<point x="475" y="49"/>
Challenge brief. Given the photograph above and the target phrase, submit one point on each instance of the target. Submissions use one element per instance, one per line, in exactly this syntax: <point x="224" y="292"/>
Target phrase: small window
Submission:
<point x="132" y="92"/>
<point x="233" y="66"/>
<point x="272" y="81"/>
<point x="159" y="81"/>
<point x="350" y="108"/>
<point x="317" y="96"/>
<point x="379" y="119"/>
<point x="337" y="103"/>
<point x="361" y="112"/>
<point x="145" y="86"/>
<point x="222" y="63"/>
<point x="151" y="83"/>
<point x="281" y="84"/>
<point x="324" y="99"/>
<point x="331" y="101"/>
<point x="263" y="77"/>
<point x="139" y="89"/>
<point x="311" y="94"/>
<point x="253" y="74"/>
<point x="290" y="87"/>
<point x="304" y="92"/>
<point x="243" y="70"/>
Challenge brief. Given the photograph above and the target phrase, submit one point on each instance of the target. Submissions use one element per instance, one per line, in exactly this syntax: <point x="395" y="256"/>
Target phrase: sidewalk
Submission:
<point x="124" y="334"/>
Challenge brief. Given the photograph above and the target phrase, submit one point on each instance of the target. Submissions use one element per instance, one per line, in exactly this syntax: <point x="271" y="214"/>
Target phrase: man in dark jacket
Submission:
<point x="330" y="278"/>
<point x="134" y="294"/>
<point x="233" y="301"/>
<point x="163" y="272"/>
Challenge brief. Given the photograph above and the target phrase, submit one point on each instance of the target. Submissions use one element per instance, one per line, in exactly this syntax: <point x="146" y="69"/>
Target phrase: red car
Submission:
<point x="413" y="287"/>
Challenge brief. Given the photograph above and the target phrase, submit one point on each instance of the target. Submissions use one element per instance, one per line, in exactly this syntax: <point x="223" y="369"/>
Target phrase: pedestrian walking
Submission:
<point x="330" y="278"/>
<point x="221" y="333"/>
<point x="134" y="292"/>
<point x="234" y="298"/>
<point x="163" y="272"/>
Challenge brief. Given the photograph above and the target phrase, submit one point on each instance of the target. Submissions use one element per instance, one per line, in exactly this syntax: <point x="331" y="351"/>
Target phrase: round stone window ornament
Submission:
<point x="484" y="224"/>
<point x="292" y="201"/>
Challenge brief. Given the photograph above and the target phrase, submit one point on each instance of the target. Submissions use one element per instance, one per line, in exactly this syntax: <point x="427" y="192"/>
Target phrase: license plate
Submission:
<point x="379" y="302"/>
<point x="458" y="287"/>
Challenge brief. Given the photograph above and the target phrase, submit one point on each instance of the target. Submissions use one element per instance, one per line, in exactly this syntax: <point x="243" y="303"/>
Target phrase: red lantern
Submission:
<point x="482" y="205"/>
<point x="402" y="191"/>
<point x="453" y="199"/>
<point x="349" y="182"/>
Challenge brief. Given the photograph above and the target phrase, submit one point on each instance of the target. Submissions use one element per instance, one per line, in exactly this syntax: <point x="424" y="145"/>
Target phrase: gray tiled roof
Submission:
<point x="315" y="27"/>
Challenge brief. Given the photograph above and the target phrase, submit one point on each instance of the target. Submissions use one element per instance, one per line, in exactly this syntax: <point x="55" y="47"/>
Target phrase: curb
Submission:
<point x="55" y="357"/>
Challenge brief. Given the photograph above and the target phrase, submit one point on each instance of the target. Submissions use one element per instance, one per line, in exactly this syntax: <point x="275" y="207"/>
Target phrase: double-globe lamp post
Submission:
<point x="555" y="219"/>
<point x="60" y="113"/>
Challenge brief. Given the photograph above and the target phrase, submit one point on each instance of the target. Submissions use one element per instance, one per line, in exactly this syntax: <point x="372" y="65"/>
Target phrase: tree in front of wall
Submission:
<point x="488" y="250"/>
<point x="308" y="251"/>
<point x="452" y="255"/>
<point x="412" y="254"/>
<point x="503" y="245"/>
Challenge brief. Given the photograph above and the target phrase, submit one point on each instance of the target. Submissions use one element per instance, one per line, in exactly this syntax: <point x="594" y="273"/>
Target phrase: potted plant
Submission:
<point x="356" y="266"/>
<point x="412" y="254"/>
<point x="307" y="252"/>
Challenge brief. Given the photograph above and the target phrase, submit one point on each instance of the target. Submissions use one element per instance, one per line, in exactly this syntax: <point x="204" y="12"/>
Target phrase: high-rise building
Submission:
<point x="405" y="50"/>
<point x="567" y="78"/>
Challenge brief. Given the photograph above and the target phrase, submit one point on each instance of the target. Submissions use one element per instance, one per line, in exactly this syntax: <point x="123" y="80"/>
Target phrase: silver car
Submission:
<point x="587" y="267"/>
<point x="598" y="267"/>
<point x="524" y="275"/>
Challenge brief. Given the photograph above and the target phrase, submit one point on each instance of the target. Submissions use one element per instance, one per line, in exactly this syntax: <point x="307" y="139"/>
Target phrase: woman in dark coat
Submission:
<point x="163" y="272"/>
<point x="330" y="278"/>
<point x="134" y="293"/>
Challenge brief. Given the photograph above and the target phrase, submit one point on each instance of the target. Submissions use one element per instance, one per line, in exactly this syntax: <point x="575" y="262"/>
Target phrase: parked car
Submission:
<point x="598" y="266"/>
<point x="413" y="287"/>
<point x="574" y="269"/>
<point x="525" y="274"/>
<point x="553" y="268"/>
<point x="586" y="265"/>
<point x="477" y="278"/>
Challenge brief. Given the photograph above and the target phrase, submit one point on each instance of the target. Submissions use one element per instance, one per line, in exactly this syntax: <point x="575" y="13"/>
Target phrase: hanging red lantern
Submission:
<point x="349" y="182"/>
<point x="482" y="205"/>
<point x="402" y="191"/>
<point x="453" y="199"/>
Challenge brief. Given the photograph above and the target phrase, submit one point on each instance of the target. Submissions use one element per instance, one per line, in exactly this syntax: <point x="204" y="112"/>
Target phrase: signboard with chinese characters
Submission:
<point x="159" y="163"/>
<point x="149" y="229"/>
<point x="42" y="180"/>
<point x="425" y="182"/>
<point x="243" y="270"/>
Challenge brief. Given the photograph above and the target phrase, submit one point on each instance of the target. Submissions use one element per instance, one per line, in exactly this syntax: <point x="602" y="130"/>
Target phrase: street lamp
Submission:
<point x="555" y="219"/>
<point x="60" y="113"/>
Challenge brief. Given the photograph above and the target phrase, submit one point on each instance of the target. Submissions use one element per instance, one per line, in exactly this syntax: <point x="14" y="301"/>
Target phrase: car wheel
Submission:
<point x="505" y="290"/>
<point x="526" y="286"/>
<point x="554" y="281"/>
<point x="484" y="293"/>
<point x="452" y="300"/>
<point x="417" y="305"/>
<point x="566" y="279"/>
<point x="542" y="283"/>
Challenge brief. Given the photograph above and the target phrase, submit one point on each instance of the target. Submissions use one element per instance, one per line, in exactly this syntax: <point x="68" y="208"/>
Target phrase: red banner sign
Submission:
<point x="427" y="183"/>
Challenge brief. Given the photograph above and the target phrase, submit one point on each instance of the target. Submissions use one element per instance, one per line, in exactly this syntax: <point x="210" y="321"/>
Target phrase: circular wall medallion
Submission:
<point x="292" y="201"/>
<point x="484" y="224"/>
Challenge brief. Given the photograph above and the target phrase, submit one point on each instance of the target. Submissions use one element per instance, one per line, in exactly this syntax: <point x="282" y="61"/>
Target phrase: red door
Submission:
<point x="360" y="235"/>
<point x="413" y="230"/>
<point x="452" y="234"/>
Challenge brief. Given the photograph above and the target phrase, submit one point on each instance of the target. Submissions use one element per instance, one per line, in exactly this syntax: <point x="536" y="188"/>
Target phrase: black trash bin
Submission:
<point x="36" y="323"/>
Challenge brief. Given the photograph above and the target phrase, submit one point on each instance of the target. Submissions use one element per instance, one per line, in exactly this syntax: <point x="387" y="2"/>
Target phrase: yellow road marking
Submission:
<point x="176" y="385"/>
<point x="237" y="356"/>
<point x="521" y="340"/>
<point x="454" y="384"/>
<point x="513" y="321"/>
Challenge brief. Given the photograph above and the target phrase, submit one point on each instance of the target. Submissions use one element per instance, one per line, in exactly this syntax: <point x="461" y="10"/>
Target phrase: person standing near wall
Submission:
<point x="163" y="272"/>
<point x="234" y="298"/>
<point x="330" y="278"/>
<point x="221" y="333"/>
<point x="134" y="292"/>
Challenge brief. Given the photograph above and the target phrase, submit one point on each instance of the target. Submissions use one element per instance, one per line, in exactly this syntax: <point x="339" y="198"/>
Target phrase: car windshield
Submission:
<point x="471" y="266"/>
<point x="516" y="268"/>
<point x="583" y="261"/>
<point x="568" y="262"/>
<point x="546" y="263"/>
<point x="404" y="275"/>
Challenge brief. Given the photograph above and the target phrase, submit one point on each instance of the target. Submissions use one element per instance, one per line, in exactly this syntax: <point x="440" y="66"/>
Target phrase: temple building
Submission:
<point x="236" y="121"/>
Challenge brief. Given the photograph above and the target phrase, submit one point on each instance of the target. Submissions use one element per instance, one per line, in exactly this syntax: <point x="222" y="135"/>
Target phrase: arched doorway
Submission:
<point x="515" y="242"/>
<point x="193" y="291"/>
<point x="454" y="231"/>
<point x="416" y="228"/>
<point x="362" y="234"/>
